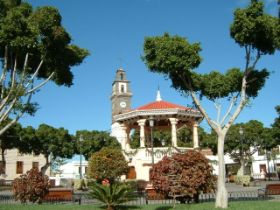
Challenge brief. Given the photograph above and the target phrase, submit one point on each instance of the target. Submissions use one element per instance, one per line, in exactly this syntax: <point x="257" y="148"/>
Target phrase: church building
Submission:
<point x="156" y="115"/>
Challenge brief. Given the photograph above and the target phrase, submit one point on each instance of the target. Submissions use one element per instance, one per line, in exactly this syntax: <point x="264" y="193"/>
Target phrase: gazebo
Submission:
<point x="159" y="115"/>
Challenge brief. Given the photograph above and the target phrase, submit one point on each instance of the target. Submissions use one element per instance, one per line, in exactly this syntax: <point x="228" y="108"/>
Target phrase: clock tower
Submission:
<point x="121" y="94"/>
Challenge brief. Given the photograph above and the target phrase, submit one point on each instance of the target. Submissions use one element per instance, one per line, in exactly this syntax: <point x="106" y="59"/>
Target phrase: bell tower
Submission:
<point x="121" y="94"/>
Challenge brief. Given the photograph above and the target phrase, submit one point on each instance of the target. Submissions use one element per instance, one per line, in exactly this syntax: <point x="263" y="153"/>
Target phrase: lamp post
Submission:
<point x="241" y="132"/>
<point x="268" y="158"/>
<point x="151" y="122"/>
<point x="80" y="142"/>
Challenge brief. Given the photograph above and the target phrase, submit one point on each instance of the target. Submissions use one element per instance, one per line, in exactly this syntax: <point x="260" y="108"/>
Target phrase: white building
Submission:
<point x="71" y="170"/>
<point x="17" y="163"/>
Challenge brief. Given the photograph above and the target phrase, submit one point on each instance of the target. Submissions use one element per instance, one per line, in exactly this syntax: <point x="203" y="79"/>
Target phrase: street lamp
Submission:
<point x="241" y="132"/>
<point x="151" y="122"/>
<point x="268" y="158"/>
<point x="80" y="142"/>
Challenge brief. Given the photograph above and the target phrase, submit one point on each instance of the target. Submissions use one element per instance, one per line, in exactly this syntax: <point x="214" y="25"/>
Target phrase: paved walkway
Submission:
<point x="254" y="186"/>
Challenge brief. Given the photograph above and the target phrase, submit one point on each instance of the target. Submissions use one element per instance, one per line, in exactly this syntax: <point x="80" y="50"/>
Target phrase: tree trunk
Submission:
<point x="3" y="165"/>
<point x="3" y="155"/>
<point x="241" y="170"/>
<point x="45" y="167"/>
<point x="222" y="194"/>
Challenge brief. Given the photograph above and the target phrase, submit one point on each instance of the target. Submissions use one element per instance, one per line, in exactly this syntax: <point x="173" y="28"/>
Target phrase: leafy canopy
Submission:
<point x="40" y="33"/>
<point x="176" y="58"/>
<point x="108" y="164"/>
<point x="88" y="142"/>
<point x="47" y="140"/>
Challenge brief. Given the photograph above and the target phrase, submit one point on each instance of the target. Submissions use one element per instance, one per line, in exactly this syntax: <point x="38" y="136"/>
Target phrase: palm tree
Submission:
<point x="113" y="194"/>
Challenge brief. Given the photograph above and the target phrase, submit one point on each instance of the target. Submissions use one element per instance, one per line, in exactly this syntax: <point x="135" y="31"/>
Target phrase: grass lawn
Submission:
<point x="245" y="205"/>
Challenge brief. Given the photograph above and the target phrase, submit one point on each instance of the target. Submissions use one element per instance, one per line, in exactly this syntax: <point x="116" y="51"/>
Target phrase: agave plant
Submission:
<point x="112" y="195"/>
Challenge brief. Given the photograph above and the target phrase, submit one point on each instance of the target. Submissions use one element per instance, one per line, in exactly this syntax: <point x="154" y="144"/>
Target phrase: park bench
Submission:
<point x="59" y="194"/>
<point x="151" y="194"/>
<point x="270" y="189"/>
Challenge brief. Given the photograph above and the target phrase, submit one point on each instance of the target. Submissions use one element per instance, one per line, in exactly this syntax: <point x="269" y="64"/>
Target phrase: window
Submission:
<point x="122" y="88"/>
<point x="2" y="167"/>
<point x="19" y="169"/>
<point x="121" y="75"/>
<point x="35" y="165"/>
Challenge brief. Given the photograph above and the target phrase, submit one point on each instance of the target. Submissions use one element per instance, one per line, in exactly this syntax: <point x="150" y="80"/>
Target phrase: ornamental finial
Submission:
<point x="158" y="95"/>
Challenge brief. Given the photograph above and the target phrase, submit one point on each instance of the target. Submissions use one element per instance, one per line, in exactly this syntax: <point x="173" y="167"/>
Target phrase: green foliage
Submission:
<point x="108" y="164"/>
<point x="252" y="27"/>
<point x="160" y="57"/>
<point x="32" y="186"/>
<point x="51" y="142"/>
<point x="40" y="33"/>
<point x="243" y="180"/>
<point x="112" y="195"/>
<point x="210" y="141"/>
<point x="11" y="138"/>
<point x="185" y="174"/>
<point x="80" y="184"/>
<point x="48" y="140"/>
<point x="93" y="141"/>
<point x="276" y="126"/>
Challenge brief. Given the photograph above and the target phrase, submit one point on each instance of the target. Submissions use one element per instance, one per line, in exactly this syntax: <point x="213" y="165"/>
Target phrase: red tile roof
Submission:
<point x="161" y="105"/>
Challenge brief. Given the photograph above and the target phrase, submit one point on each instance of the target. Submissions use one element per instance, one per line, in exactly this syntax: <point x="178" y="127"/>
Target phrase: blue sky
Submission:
<point x="114" y="30"/>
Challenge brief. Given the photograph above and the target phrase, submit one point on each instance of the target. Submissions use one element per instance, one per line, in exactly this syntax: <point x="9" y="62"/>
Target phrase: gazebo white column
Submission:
<point x="141" y="123"/>
<point x="125" y="137"/>
<point x="173" y="122"/>
<point x="195" y="135"/>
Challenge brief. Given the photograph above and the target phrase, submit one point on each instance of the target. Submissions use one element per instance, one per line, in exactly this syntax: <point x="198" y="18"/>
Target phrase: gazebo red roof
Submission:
<point x="161" y="105"/>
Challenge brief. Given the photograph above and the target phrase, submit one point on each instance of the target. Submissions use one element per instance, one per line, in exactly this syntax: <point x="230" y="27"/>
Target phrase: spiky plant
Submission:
<point x="112" y="195"/>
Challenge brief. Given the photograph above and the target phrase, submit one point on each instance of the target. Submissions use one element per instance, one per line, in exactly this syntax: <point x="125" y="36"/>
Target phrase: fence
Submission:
<point x="140" y="198"/>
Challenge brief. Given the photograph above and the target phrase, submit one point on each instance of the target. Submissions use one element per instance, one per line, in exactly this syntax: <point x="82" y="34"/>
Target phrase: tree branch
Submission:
<point x="233" y="100"/>
<point x="15" y="119"/>
<point x="35" y="74"/>
<point x="239" y="107"/>
<point x="41" y="84"/>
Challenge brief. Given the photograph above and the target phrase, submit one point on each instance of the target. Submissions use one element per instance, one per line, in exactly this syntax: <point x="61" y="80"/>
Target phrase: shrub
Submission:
<point x="112" y="194"/>
<point x="32" y="186"/>
<point x="183" y="176"/>
<point x="108" y="164"/>
<point x="243" y="180"/>
<point x="80" y="184"/>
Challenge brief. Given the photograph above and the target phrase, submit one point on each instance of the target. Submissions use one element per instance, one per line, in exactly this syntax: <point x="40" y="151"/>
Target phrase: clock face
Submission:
<point x="123" y="104"/>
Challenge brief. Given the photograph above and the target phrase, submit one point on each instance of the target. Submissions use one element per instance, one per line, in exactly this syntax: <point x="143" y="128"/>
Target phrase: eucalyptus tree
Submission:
<point x="254" y="31"/>
<point x="34" y="49"/>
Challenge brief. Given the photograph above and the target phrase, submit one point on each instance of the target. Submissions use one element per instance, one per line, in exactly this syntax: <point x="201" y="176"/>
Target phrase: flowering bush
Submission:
<point x="107" y="164"/>
<point x="32" y="186"/>
<point x="183" y="176"/>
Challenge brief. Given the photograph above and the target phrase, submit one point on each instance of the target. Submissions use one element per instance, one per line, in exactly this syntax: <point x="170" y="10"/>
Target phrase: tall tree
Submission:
<point x="51" y="142"/>
<point x="173" y="56"/>
<point x="276" y="126"/>
<point x="243" y="140"/>
<point x="34" y="49"/>
<point x="88" y="142"/>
